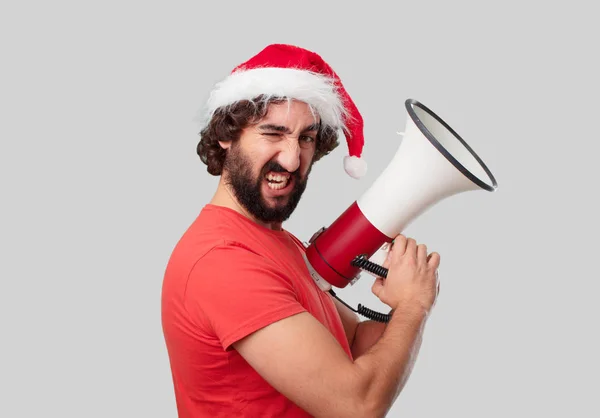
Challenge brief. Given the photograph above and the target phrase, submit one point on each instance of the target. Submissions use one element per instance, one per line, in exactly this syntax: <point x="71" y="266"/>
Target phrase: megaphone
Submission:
<point x="432" y="163"/>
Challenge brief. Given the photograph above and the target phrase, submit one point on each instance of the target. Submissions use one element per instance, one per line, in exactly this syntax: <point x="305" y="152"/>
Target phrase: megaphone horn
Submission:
<point x="432" y="163"/>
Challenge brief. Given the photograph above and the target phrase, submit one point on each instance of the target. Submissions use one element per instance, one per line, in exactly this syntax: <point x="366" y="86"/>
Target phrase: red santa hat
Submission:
<point x="287" y="71"/>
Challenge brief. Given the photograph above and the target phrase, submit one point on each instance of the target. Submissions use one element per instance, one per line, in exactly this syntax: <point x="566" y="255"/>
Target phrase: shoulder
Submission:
<point x="214" y="227"/>
<point x="234" y="267"/>
<point x="237" y="291"/>
<point x="227" y="259"/>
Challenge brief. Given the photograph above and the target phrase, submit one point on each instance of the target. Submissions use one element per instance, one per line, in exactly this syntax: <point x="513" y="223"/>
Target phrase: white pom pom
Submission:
<point x="356" y="167"/>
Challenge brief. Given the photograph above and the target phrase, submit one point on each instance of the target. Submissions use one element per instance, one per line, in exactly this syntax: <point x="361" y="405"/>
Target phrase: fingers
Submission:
<point x="403" y="245"/>
<point x="411" y="247"/>
<point x="399" y="246"/>
<point x="412" y="274"/>
<point x="433" y="261"/>
<point x="388" y="256"/>
<point x="388" y="260"/>
<point x="422" y="254"/>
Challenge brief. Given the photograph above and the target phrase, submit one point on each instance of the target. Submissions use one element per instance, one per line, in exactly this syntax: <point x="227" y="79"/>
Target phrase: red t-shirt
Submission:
<point x="228" y="277"/>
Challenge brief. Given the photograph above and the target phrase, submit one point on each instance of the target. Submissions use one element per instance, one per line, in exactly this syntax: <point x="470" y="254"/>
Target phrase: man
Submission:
<point x="248" y="331"/>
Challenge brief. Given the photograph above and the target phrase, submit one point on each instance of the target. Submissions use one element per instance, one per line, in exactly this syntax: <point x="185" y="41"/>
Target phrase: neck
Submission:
<point x="225" y="197"/>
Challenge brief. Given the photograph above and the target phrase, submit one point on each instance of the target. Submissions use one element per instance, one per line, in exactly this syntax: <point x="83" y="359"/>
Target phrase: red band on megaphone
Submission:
<point x="349" y="236"/>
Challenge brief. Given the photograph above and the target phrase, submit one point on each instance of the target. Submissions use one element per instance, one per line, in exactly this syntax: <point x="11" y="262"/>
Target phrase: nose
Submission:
<point x="289" y="156"/>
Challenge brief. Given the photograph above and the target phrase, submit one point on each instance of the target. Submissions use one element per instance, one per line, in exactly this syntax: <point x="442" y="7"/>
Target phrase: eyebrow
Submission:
<point x="285" y="129"/>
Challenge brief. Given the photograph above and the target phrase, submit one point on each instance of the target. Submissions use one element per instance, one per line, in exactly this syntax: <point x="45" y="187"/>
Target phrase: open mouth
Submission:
<point x="277" y="181"/>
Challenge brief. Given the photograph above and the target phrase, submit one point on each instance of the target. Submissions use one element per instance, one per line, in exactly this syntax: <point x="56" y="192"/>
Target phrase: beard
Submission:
<point x="248" y="188"/>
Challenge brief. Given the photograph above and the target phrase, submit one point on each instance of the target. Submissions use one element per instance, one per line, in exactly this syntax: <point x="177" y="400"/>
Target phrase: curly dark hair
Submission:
<point x="227" y="125"/>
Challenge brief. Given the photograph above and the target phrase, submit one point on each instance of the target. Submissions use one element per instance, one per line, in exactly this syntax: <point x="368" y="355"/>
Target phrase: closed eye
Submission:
<point x="306" y="138"/>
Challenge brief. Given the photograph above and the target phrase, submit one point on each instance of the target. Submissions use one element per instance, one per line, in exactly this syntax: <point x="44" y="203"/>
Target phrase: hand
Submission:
<point x="412" y="279"/>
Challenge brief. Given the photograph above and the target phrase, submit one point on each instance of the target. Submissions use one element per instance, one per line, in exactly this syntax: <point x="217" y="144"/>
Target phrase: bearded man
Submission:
<point x="248" y="331"/>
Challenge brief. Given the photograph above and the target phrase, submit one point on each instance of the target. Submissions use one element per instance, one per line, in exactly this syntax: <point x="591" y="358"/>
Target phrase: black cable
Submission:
<point x="344" y="303"/>
<point x="374" y="315"/>
<point x="364" y="311"/>
<point x="363" y="263"/>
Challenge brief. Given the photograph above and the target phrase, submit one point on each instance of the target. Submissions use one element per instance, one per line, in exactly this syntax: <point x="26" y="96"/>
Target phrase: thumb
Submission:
<point x="377" y="286"/>
<point x="388" y="260"/>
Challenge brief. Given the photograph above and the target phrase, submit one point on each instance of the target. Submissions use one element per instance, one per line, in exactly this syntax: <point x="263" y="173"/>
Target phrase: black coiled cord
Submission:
<point x="364" y="311"/>
<point x="374" y="315"/>
<point x="363" y="263"/>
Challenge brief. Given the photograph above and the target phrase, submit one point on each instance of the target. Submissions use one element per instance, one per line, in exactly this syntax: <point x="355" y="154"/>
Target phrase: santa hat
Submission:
<point x="287" y="71"/>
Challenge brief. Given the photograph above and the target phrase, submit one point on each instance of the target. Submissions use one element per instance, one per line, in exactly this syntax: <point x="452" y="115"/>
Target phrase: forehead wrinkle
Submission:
<point x="287" y="109"/>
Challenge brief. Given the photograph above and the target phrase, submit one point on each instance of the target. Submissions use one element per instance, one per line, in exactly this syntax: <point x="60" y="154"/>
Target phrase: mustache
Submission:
<point x="275" y="167"/>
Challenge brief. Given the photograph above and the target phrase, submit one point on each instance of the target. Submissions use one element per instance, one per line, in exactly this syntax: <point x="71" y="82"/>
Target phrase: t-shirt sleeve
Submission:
<point x="236" y="292"/>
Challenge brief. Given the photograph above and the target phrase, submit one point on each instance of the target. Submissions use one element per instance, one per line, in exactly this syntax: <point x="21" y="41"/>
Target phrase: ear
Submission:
<point x="225" y="144"/>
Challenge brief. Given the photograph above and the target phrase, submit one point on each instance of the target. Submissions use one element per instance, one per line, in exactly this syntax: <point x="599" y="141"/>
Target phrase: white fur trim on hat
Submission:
<point x="312" y="88"/>
<point x="356" y="167"/>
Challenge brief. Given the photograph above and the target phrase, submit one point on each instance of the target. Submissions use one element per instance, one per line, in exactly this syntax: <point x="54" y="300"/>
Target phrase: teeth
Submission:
<point x="276" y="186"/>
<point x="281" y="181"/>
<point x="276" y="177"/>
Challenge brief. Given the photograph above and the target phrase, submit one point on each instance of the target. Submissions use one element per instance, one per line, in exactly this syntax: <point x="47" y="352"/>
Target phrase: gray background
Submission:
<point x="99" y="180"/>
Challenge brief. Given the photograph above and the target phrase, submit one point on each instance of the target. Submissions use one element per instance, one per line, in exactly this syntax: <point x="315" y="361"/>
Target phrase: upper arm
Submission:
<point x="251" y="307"/>
<point x="350" y="320"/>
<point x="302" y="360"/>
<point x="234" y="299"/>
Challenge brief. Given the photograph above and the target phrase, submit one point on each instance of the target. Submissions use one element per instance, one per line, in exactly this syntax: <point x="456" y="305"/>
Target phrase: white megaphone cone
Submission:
<point x="433" y="162"/>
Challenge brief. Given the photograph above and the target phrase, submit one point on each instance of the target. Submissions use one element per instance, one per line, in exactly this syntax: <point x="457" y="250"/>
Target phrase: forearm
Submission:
<point x="386" y="366"/>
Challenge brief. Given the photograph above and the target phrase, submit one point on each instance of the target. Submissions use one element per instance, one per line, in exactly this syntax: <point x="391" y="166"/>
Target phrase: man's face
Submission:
<point x="269" y="166"/>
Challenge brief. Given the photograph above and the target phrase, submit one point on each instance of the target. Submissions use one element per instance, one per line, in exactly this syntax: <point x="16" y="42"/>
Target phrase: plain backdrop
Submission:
<point x="99" y="179"/>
